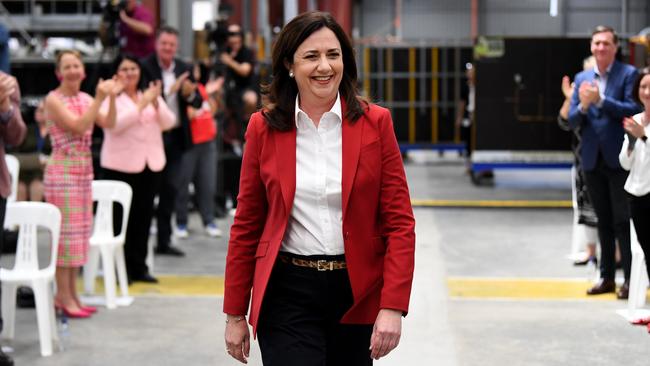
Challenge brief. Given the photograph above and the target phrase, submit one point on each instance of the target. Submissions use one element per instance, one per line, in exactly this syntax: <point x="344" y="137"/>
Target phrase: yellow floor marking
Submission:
<point x="493" y="203"/>
<point x="192" y="285"/>
<point x="512" y="288"/>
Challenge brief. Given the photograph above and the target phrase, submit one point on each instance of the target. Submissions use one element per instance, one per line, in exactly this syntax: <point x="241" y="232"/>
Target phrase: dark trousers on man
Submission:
<point x="167" y="199"/>
<point x="640" y="211"/>
<point x="605" y="186"/>
<point x="299" y="322"/>
<point x="144" y="186"/>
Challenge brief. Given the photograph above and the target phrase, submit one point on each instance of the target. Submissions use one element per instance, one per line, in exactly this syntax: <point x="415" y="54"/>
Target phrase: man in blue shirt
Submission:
<point x="602" y="97"/>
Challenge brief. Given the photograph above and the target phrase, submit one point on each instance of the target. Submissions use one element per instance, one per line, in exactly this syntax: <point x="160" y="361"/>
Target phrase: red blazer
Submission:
<point x="378" y="223"/>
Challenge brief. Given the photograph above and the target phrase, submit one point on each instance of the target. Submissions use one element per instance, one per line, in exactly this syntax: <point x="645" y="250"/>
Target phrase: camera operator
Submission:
<point x="136" y="30"/>
<point x="135" y="26"/>
<point x="241" y="99"/>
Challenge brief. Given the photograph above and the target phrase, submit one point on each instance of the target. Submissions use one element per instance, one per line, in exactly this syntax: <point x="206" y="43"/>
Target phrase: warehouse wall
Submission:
<point x="450" y="19"/>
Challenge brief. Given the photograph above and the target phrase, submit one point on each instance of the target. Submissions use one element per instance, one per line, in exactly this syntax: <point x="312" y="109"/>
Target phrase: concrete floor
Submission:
<point x="441" y="330"/>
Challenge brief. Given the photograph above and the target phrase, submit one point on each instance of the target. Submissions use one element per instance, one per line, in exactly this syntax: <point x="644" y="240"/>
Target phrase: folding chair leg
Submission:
<point x="121" y="271"/>
<point x="9" y="309"/>
<point x="90" y="270"/>
<point x="108" y="265"/>
<point x="43" y="312"/>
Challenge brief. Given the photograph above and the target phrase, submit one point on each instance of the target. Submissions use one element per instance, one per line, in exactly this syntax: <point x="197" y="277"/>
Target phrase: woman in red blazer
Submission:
<point x="324" y="230"/>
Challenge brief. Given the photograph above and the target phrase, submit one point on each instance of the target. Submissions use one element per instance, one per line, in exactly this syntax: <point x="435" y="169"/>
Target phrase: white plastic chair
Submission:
<point x="106" y="244"/>
<point x="13" y="165"/>
<point x="28" y="216"/>
<point x="638" y="276"/>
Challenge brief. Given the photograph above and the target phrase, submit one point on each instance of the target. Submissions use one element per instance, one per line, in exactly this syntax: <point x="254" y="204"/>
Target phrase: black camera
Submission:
<point x="111" y="17"/>
<point x="217" y="31"/>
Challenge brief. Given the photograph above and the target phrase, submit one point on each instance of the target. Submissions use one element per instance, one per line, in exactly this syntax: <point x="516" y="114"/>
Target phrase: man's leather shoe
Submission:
<point x="170" y="250"/>
<point x="623" y="292"/>
<point x="602" y="287"/>
<point x="147" y="277"/>
<point x="5" y="360"/>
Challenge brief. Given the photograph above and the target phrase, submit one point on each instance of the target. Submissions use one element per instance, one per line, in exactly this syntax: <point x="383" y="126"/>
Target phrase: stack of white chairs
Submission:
<point x="28" y="217"/>
<point x="107" y="245"/>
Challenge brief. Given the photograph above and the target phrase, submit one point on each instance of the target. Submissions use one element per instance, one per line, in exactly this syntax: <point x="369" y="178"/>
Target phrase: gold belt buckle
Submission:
<point x="321" y="265"/>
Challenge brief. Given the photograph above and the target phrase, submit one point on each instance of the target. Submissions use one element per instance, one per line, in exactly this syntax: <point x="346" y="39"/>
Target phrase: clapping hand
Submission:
<point x="152" y="93"/>
<point x="567" y="87"/>
<point x="8" y="85"/>
<point x="179" y="82"/>
<point x="633" y="128"/>
<point x="588" y="94"/>
<point x="214" y="86"/>
<point x="109" y="88"/>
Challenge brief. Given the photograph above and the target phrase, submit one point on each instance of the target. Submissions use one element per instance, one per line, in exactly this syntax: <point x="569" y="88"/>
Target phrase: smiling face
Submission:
<point x="603" y="48"/>
<point x="129" y="74"/>
<point x="166" y="46"/>
<point x="70" y="69"/>
<point x="318" y="68"/>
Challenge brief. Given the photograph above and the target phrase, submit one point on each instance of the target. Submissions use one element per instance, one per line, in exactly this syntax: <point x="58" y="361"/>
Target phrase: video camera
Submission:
<point x="217" y="36"/>
<point x="110" y="18"/>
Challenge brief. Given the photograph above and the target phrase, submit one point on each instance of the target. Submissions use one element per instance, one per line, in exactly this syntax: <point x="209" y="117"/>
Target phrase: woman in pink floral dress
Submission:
<point x="71" y="115"/>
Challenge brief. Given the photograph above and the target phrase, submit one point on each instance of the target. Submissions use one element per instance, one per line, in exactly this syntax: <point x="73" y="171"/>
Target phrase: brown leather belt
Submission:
<point x="319" y="265"/>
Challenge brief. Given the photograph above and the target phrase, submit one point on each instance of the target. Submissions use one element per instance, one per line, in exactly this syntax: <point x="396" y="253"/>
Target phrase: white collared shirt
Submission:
<point x="638" y="163"/>
<point x="168" y="79"/>
<point x="315" y="223"/>
<point x="601" y="79"/>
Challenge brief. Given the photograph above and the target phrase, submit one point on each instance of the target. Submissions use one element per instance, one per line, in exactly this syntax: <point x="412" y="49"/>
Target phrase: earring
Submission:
<point x="291" y="74"/>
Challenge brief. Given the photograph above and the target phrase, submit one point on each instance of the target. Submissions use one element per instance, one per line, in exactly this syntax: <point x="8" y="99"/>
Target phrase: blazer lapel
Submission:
<point x="285" y="159"/>
<point x="351" y="148"/>
<point x="612" y="78"/>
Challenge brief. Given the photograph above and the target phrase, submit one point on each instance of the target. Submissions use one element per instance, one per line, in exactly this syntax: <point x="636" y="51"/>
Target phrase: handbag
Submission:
<point x="203" y="126"/>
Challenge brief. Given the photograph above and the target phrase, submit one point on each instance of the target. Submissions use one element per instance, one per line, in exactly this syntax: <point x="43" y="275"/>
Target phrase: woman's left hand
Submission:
<point x="386" y="333"/>
<point x="633" y="128"/>
<point x="238" y="338"/>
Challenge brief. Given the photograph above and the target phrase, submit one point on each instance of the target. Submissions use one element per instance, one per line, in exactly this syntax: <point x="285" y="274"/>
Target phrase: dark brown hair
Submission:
<point x="603" y="29"/>
<point x="281" y="93"/>
<point x="166" y="29"/>
<point x="121" y="57"/>
<point x="637" y="83"/>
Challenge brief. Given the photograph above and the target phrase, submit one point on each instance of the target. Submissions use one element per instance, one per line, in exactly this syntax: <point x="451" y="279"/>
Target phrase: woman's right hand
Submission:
<point x="104" y="88"/>
<point x="237" y="336"/>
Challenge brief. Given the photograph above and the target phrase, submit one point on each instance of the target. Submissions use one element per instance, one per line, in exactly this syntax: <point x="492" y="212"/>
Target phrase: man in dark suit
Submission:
<point x="179" y="93"/>
<point x="602" y="97"/>
<point x="12" y="131"/>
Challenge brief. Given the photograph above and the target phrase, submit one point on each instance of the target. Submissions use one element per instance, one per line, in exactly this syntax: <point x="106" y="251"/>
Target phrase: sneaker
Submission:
<point x="181" y="232"/>
<point x="213" y="231"/>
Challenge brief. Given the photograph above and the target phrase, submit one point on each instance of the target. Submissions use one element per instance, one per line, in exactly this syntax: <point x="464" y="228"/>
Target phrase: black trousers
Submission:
<point x="167" y="199"/>
<point x="605" y="186"/>
<point x="299" y="321"/>
<point x="144" y="186"/>
<point x="640" y="211"/>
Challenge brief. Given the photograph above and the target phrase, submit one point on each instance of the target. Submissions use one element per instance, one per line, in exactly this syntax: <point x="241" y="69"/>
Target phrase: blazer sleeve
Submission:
<point x="248" y="225"/>
<point x="127" y="114"/>
<point x="618" y="109"/>
<point x="397" y="222"/>
<point x="13" y="130"/>
<point x="623" y="158"/>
